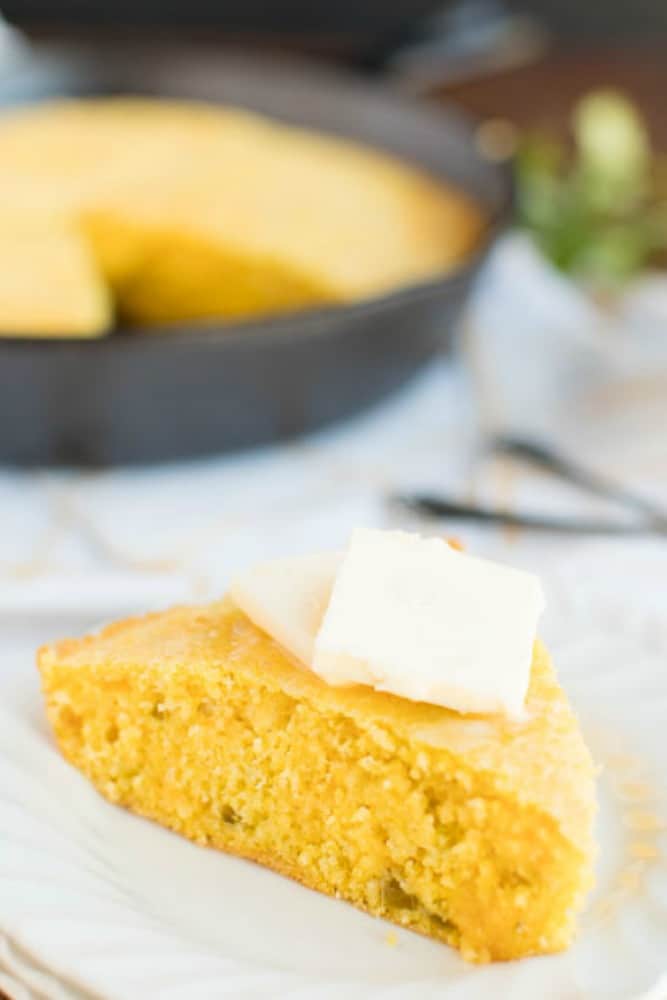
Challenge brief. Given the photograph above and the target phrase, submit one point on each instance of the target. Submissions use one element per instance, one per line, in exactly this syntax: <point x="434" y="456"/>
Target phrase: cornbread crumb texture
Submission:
<point x="205" y="211"/>
<point x="473" y="830"/>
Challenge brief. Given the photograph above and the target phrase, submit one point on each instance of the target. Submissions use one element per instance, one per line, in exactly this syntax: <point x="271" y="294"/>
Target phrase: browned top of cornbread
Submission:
<point x="541" y="759"/>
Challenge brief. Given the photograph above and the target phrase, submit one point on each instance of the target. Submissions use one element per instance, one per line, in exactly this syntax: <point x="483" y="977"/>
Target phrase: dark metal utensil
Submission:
<point x="442" y="506"/>
<point x="653" y="520"/>
<point x="546" y="458"/>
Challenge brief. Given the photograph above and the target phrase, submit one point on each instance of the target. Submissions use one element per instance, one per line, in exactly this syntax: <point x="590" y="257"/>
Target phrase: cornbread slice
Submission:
<point x="49" y="285"/>
<point x="473" y="830"/>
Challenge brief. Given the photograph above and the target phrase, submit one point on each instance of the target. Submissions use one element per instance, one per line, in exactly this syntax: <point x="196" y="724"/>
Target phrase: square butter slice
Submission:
<point x="413" y="616"/>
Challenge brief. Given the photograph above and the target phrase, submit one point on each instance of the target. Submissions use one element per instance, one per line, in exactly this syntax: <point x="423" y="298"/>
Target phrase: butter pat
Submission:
<point x="414" y="617"/>
<point x="403" y="614"/>
<point x="288" y="598"/>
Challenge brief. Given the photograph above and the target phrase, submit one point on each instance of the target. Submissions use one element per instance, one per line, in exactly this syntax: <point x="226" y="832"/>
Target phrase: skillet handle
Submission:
<point x="462" y="40"/>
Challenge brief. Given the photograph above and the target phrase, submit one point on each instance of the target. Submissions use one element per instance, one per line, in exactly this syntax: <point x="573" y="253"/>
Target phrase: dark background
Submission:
<point x="579" y="19"/>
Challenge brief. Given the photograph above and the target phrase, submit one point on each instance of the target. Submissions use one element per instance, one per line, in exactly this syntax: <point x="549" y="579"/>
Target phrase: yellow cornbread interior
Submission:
<point x="165" y="274"/>
<point x="193" y="211"/>
<point x="473" y="830"/>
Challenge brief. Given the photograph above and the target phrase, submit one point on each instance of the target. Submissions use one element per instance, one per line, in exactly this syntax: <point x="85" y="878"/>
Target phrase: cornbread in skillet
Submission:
<point x="473" y="830"/>
<point x="196" y="211"/>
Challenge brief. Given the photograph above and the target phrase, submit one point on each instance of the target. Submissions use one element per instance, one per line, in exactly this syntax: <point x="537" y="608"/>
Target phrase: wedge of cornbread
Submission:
<point x="473" y="830"/>
<point x="49" y="284"/>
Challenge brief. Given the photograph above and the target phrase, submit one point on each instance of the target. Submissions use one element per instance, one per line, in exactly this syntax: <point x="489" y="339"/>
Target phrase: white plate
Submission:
<point x="94" y="901"/>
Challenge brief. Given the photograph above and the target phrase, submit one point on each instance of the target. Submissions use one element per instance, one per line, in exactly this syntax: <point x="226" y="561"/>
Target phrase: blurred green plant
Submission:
<point x="596" y="206"/>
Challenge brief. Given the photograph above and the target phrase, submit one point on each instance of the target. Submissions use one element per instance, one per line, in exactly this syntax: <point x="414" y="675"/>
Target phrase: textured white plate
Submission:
<point x="94" y="901"/>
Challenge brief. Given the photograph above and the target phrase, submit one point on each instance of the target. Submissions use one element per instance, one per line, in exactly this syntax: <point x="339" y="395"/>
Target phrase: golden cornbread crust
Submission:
<point x="473" y="830"/>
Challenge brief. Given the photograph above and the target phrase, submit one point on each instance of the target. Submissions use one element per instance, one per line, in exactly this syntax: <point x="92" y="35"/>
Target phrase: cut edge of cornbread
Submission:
<point x="473" y="830"/>
<point x="161" y="274"/>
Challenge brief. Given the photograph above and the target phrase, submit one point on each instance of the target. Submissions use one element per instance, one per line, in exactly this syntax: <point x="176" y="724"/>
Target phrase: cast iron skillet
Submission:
<point x="192" y="389"/>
